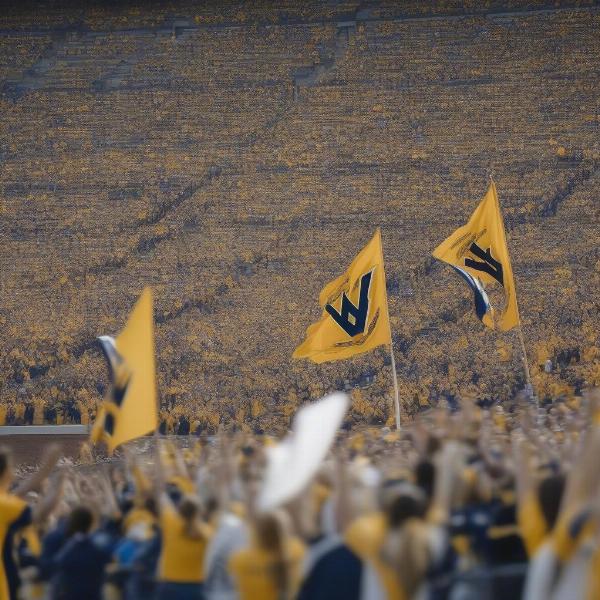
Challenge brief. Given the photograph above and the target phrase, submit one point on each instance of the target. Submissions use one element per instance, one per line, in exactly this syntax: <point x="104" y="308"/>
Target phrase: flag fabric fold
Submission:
<point x="355" y="311"/>
<point x="129" y="408"/>
<point x="479" y="253"/>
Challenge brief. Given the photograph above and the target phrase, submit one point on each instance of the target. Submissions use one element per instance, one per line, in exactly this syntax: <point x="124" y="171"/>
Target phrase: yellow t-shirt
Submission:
<point x="181" y="558"/>
<point x="532" y="524"/>
<point x="365" y="537"/>
<point x="252" y="570"/>
<point x="138" y="515"/>
<point x="11" y="509"/>
<point x="570" y="532"/>
<point x="593" y="582"/>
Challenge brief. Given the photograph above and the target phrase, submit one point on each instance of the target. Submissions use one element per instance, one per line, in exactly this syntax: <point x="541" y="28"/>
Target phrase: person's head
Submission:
<point x="190" y="511"/>
<point x="408" y="502"/>
<point x="392" y="493"/>
<point x="150" y="505"/>
<point x="80" y="520"/>
<point x="6" y="468"/>
<point x="433" y="446"/>
<point x="405" y="548"/>
<point x="189" y="508"/>
<point x="550" y="492"/>
<point x="425" y="477"/>
<point x="270" y="530"/>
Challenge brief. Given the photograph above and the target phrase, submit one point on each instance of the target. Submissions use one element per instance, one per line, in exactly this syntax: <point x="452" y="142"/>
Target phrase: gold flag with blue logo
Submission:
<point x="479" y="253"/>
<point x="355" y="311"/>
<point x="129" y="408"/>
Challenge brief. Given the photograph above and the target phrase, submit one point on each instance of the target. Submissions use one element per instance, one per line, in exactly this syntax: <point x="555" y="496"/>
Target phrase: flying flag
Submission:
<point x="478" y="252"/>
<point x="355" y="311"/>
<point x="129" y="409"/>
<point x="293" y="462"/>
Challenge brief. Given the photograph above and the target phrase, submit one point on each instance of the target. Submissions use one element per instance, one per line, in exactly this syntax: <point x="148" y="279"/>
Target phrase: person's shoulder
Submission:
<point x="296" y="548"/>
<point x="55" y="537"/>
<point x="169" y="516"/>
<point x="11" y="508"/>
<point x="242" y="558"/>
<point x="10" y="502"/>
<point x="336" y="574"/>
<point x="73" y="547"/>
<point x="366" y="533"/>
<point x="341" y="556"/>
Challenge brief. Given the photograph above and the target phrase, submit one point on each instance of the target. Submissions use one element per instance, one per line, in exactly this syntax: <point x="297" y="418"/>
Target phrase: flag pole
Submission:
<point x="394" y="374"/>
<point x="530" y="389"/>
<point x="525" y="361"/>
<point x="395" y="377"/>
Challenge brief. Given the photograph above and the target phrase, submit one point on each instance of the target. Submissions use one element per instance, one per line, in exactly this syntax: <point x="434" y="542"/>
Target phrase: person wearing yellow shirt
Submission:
<point x="538" y="504"/>
<point x="270" y="567"/>
<point x="16" y="514"/>
<point x="558" y="568"/>
<point x="185" y="537"/>
<point x="399" y="543"/>
<point x="390" y="542"/>
<point x="184" y="540"/>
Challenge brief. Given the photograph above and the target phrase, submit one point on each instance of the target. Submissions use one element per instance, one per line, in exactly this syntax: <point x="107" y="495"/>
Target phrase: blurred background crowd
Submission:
<point x="461" y="504"/>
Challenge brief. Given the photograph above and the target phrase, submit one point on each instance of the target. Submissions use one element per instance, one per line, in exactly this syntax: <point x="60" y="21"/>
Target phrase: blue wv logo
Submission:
<point x="353" y="319"/>
<point x="486" y="264"/>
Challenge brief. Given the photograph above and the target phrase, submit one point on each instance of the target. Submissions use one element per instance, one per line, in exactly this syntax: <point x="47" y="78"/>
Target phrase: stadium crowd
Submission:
<point x="474" y="503"/>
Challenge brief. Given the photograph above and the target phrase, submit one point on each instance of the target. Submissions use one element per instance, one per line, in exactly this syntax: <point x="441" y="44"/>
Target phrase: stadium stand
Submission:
<point x="236" y="159"/>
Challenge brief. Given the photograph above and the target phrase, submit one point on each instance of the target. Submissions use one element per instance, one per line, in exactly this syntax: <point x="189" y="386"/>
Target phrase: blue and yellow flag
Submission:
<point x="355" y="311"/>
<point x="129" y="409"/>
<point x="478" y="252"/>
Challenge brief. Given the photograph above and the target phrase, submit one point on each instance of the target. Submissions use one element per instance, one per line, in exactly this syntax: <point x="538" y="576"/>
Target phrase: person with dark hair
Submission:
<point x="425" y="478"/>
<point x="332" y="570"/>
<point x="538" y="503"/>
<point x="550" y="493"/>
<point x="403" y="541"/>
<point x="80" y="564"/>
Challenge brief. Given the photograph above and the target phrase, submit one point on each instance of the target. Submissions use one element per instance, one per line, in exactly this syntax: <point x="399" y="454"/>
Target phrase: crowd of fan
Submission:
<point x="474" y="503"/>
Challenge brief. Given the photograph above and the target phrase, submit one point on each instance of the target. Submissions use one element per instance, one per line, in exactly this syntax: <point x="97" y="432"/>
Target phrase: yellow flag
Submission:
<point x="129" y="410"/>
<point x="355" y="312"/>
<point x="479" y="253"/>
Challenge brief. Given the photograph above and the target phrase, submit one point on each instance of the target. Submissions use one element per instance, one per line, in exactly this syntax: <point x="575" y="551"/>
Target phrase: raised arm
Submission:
<point x="584" y="477"/>
<point x="160" y="494"/>
<point x="35" y="481"/>
<point x="111" y="506"/>
<point x="50" y="499"/>
<point x="525" y="480"/>
<point x="448" y="463"/>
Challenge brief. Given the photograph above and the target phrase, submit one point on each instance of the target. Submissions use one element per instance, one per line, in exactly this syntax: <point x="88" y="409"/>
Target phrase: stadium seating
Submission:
<point x="237" y="159"/>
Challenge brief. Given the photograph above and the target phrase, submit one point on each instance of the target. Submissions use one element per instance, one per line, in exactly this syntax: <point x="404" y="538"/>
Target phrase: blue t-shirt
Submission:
<point x="80" y="569"/>
<point x="336" y="575"/>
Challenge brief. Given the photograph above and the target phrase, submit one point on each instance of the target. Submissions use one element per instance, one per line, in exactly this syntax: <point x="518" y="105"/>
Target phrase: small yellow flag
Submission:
<point x="129" y="410"/>
<point x="355" y="311"/>
<point x="479" y="253"/>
